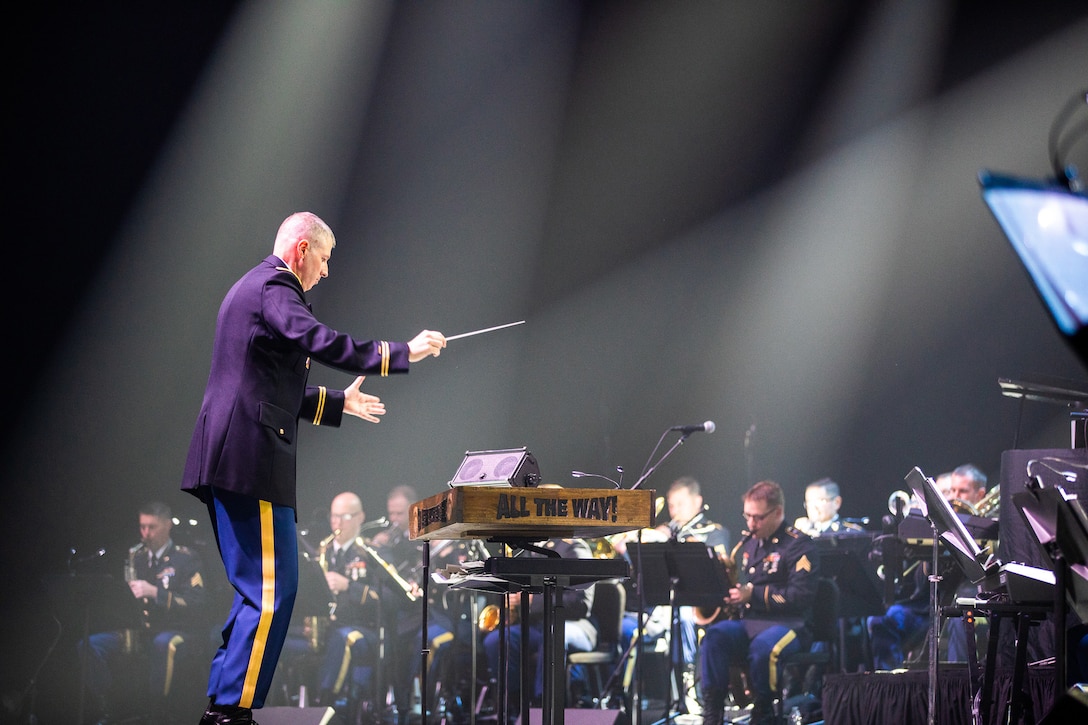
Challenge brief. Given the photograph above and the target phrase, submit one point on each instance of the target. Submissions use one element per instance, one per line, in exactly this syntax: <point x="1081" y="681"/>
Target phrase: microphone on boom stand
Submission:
<point x="685" y="430"/>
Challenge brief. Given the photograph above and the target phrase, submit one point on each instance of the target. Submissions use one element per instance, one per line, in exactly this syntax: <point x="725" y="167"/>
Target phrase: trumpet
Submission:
<point x="900" y="503"/>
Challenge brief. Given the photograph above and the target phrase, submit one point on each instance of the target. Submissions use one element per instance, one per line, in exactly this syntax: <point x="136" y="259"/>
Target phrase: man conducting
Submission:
<point x="241" y="460"/>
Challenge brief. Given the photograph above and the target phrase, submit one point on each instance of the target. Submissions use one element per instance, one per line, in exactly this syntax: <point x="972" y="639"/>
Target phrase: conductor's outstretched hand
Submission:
<point x="362" y="405"/>
<point x="426" y="344"/>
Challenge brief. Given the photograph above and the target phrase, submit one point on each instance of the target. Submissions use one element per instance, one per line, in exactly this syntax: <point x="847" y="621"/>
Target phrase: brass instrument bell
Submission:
<point x="989" y="506"/>
<point x="602" y="548"/>
<point x="488" y="621"/>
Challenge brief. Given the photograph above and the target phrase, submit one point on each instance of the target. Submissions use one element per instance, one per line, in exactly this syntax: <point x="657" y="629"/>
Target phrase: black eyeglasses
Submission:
<point x="758" y="518"/>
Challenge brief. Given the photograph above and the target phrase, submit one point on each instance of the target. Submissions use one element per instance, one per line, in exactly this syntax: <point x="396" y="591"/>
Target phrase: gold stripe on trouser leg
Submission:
<point x="268" y="602"/>
<point x="776" y="651"/>
<point x="629" y="671"/>
<point x="171" y="654"/>
<point x="436" y="643"/>
<point x="353" y="637"/>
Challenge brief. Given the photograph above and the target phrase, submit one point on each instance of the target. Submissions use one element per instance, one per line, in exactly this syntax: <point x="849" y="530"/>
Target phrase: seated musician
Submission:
<point x="776" y="568"/>
<point x="351" y="578"/>
<point x="903" y="626"/>
<point x="168" y="582"/>
<point x="368" y="596"/>
<point x="580" y="632"/>
<point x="823" y="500"/>
<point x="967" y="483"/>
<point x="906" y="623"/>
<point x="405" y="604"/>
<point x="688" y="521"/>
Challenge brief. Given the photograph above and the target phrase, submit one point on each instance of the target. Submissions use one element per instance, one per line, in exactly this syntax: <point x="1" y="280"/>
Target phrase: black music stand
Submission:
<point x="860" y="594"/>
<point x="679" y="574"/>
<point x="313" y="598"/>
<point x="976" y="563"/>
<point x="1059" y="524"/>
<point x="859" y="587"/>
<point x="90" y="603"/>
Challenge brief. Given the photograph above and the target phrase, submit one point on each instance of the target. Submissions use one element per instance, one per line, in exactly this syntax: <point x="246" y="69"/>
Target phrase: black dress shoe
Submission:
<point x="227" y="715"/>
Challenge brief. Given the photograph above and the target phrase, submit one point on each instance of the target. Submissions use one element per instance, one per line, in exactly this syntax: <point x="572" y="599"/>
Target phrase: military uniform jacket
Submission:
<point x="358" y="606"/>
<point x="782" y="572"/>
<point x="835" y="526"/>
<point x="245" y="435"/>
<point x="705" y="531"/>
<point x="179" y="578"/>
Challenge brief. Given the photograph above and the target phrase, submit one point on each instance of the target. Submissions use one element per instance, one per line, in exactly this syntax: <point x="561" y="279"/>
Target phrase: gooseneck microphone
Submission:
<point x="707" y="426"/>
<point x="583" y="474"/>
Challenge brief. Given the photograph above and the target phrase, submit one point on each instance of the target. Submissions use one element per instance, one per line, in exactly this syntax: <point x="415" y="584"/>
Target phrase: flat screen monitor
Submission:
<point x="1047" y="225"/>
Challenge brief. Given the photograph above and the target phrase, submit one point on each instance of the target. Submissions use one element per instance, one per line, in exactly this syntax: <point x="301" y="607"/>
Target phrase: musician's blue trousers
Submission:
<point x="757" y="645"/>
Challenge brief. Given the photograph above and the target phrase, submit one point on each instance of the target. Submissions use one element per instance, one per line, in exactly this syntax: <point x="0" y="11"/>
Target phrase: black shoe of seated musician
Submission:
<point x="713" y="706"/>
<point x="763" y="712"/>
<point x="227" y="715"/>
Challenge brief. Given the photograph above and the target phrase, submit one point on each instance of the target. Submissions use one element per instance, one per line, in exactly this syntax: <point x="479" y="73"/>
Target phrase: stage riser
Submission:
<point x="580" y="716"/>
<point x="294" y="715"/>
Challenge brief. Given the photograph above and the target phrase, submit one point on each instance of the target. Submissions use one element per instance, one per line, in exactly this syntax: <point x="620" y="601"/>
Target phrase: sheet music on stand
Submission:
<point x="471" y="575"/>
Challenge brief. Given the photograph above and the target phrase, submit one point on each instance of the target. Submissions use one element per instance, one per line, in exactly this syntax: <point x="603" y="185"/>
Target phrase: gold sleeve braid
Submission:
<point x="321" y="396"/>
<point x="385" y="359"/>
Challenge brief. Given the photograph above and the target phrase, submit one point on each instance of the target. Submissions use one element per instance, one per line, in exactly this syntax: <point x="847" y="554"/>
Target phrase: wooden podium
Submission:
<point x="533" y="514"/>
<point x="518" y="516"/>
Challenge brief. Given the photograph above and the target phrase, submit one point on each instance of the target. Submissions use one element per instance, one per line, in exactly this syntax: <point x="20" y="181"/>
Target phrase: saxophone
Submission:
<point x="130" y="638"/>
<point x="315" y="628"/>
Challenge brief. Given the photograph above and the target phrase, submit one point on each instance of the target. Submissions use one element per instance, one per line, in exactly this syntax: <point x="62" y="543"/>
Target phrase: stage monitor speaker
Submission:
<point x="508" y="467"/>
<point x="1072" y="706"/>
<point x="294" y="715"/>
<point x="581" y="716"/>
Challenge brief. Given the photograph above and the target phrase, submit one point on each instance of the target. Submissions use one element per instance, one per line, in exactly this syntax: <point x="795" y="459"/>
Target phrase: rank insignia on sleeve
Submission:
<point x="803" y="564"/>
